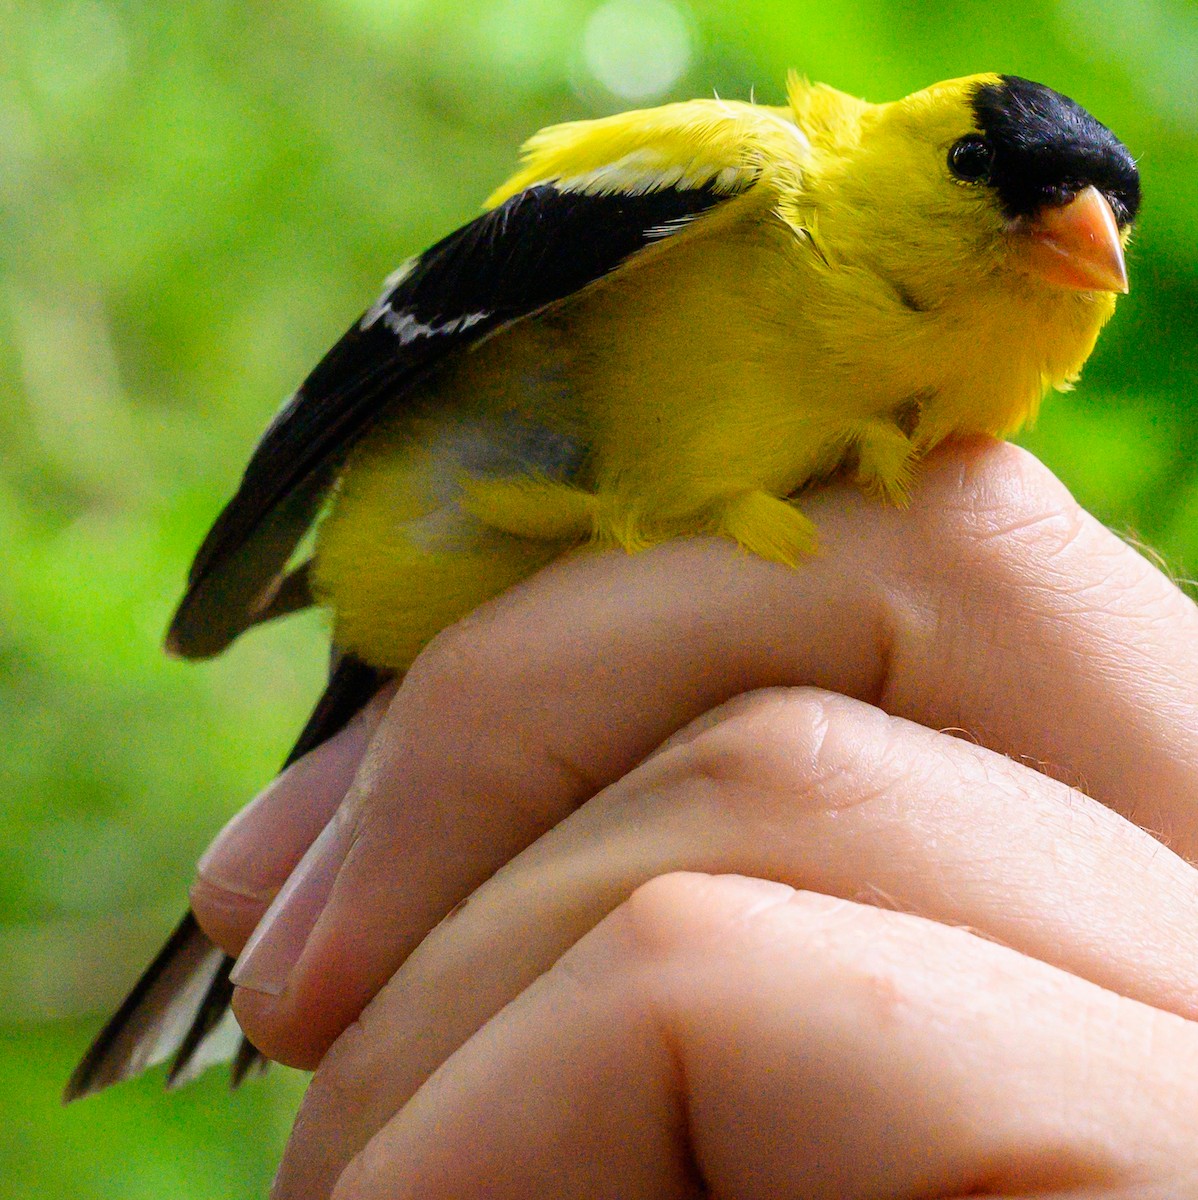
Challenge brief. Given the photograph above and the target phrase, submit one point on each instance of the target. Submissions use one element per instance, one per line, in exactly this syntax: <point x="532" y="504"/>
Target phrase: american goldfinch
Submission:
<point x="665" y="323"/>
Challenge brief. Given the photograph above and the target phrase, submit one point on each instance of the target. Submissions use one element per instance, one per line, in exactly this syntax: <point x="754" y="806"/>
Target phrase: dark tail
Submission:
<point x="180" y="1005"/>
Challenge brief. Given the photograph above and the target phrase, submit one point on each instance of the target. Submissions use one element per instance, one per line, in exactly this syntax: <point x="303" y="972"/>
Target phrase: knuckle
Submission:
<point x="669" y="913"/>
<point x="781" y="750"/>
<point x="684" y="931"/>
<point x="688" y="915"/>
<point x="1003" y="499"/>
<point x="1003" y="540"/>
<point x="474" y="700"/>
<point x="687" y="912"/>
<point x="758" y="735"/>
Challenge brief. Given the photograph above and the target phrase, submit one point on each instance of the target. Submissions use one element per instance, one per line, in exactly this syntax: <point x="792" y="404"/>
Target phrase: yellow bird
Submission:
<point x="666" y="323"/>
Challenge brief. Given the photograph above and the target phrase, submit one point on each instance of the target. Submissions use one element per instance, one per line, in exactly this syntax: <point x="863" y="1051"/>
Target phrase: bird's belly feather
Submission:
<point x="687" y="394"/>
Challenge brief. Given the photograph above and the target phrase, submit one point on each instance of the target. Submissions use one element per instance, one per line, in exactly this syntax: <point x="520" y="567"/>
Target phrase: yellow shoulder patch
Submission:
<point x="728" y="145"/>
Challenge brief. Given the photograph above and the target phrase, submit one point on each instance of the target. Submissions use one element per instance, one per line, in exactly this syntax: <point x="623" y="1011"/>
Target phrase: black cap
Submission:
<point x="1046" y="148"/>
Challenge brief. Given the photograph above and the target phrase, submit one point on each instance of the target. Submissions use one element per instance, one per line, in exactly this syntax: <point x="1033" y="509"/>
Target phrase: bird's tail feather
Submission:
<point x="180" y="1005"/>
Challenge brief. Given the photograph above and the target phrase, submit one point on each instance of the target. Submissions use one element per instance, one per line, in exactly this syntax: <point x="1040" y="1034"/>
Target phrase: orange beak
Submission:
<point x="1076" y="246"/>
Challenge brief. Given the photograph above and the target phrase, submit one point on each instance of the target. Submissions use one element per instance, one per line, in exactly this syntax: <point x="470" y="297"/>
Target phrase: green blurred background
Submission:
<point x="195" y="200"/>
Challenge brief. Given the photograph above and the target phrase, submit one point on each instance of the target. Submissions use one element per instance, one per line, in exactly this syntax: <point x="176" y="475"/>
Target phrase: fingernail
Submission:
<point x="278" y="941"/>
<point x="290" y="812"/>
<point x="234" y="862"/>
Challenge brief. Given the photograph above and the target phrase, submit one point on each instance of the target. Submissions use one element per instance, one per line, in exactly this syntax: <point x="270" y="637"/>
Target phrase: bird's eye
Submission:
<point x="970" y="159"/>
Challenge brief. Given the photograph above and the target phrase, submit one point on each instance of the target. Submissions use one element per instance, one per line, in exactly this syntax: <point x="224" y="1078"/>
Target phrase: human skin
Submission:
<point x="618" y="720"/>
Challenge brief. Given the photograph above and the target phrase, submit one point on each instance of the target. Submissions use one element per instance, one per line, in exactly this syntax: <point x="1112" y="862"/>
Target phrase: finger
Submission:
<point x="251" y="858"/>
<point x="732" y="1038"/>
<point x="804" y="787"/>
<point x="993" y="604"/>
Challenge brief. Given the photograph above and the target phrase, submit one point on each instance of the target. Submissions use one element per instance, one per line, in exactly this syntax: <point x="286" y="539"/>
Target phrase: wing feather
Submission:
<point x="537" y="247"/>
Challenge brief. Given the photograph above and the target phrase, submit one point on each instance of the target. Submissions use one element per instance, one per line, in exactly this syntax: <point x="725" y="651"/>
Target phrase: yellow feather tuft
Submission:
<point x="679" y="145"/>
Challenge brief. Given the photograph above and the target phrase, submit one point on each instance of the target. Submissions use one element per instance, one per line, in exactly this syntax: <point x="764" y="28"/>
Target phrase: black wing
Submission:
<point x="539" y="247"/>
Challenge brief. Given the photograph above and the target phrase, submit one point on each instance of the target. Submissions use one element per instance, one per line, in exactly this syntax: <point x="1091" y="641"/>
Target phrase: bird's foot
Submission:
<point x="886" y="459"/>
<point x="768" y="527"/>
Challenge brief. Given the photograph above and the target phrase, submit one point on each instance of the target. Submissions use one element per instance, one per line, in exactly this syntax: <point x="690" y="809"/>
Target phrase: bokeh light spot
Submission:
<point x="80" y="48"/>
<point x="638" y="49"/>
<point x="381" y="18"/>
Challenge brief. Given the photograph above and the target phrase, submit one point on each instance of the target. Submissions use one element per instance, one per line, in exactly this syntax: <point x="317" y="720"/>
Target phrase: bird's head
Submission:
<point x="984" y="180"/>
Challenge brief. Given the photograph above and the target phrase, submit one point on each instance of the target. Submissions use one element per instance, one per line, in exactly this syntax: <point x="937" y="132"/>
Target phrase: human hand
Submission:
<point x="993" y="605"/>
<point x="724" y="1036"/>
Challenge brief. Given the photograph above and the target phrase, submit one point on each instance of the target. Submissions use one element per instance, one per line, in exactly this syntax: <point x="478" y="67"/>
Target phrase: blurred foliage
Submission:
<point x="195" y="199"/>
